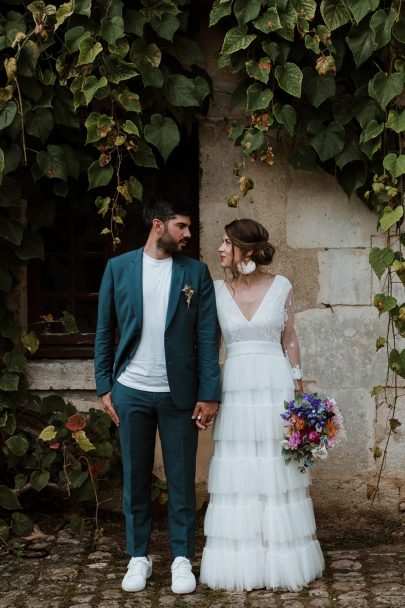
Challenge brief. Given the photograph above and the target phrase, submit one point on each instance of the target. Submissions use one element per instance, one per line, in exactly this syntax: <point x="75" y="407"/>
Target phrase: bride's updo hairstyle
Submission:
<point x="249" y="235"/>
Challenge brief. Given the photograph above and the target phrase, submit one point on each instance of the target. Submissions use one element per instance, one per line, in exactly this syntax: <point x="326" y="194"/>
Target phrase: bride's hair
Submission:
<point x="249" y="235"/>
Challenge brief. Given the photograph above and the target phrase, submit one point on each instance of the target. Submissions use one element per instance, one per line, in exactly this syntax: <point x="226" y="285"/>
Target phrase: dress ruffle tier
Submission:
<point x="260" y="524"/>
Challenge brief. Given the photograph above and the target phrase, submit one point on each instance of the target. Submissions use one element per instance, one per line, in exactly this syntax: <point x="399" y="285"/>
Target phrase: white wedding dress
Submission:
<point x="259" y="524"/>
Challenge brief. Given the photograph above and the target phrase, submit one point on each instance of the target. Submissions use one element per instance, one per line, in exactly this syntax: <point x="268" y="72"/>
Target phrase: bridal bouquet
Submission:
<point x="313" y="425"/>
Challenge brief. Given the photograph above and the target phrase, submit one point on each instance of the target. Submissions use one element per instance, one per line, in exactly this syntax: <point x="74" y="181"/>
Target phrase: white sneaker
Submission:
<point x="183" y="580"/>
<point x="139" y="569"/>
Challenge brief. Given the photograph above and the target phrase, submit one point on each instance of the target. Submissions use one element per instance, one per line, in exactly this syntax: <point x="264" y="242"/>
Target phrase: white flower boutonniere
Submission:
<point x="188" y="292"/>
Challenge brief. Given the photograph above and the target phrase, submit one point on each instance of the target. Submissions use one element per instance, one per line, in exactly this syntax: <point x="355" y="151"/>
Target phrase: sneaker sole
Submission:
<point x="136" y="590"/>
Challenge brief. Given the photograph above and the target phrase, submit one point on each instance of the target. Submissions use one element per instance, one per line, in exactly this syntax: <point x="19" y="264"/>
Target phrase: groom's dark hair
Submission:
<point x="163" y="210"/>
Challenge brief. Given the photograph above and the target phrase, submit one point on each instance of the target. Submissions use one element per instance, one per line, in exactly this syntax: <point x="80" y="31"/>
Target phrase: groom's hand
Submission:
<point x="204" y="413"/>
<point x="108" y="407"/>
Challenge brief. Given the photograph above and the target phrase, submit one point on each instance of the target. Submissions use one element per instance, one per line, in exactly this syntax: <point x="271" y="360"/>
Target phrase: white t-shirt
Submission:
<point x="146" y="371"/>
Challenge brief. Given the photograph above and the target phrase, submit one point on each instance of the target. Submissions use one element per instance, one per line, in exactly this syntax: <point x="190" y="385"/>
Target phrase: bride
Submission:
<point x="259" y="524"/>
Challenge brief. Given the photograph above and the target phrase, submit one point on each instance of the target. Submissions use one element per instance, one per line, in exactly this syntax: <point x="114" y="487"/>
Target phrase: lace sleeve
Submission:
<point x="289" y="339"/>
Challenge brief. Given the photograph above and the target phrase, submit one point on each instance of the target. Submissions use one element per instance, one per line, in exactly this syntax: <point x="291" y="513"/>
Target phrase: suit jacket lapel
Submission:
<point x="135" y="285"/>
<point x="176" y="286"/>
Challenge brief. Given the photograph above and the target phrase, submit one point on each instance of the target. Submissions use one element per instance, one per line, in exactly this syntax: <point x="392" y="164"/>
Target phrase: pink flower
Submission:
<point x="314" y="436"/>
<point x="294" y="439"/>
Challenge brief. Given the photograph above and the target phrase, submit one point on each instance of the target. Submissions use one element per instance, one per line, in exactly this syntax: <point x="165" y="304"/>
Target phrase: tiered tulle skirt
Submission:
<point x="259" y="524"/>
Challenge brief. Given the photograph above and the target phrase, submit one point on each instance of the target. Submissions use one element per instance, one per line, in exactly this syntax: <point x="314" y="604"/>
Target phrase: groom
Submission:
<point x="162" y="374"/>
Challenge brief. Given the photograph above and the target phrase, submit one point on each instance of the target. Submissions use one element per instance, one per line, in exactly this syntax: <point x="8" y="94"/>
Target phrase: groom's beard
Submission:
<point x="169" y="245"/>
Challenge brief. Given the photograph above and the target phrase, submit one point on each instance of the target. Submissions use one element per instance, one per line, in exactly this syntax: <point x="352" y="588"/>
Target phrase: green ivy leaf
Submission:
<point x="390" y="217"/>
<point x="8" y="500"/>
<point x="89" y="49"/>
<point x="361" y="42"/>
<point x="271" y="49"/>
<point x="145" y="55"/>
<point x="15" y="362"/>
<point x="396" y="362"/>
<point x="21" y="524"/>
<point x="334" y="13"/>
<point x="399" y="28"/>
<point x="268" y="22"/>
<point x="78" y="478"/>
<point x="163" y="134"/>
<point x="258" y="98"/>
<point x="116" y="69"/>
<point x="180" y="91"/>
<point x="144" y="156"/>
<point x="305" y="8"/>
<point x="17" y="445"/>
<point x="91" y="85"/>
<point x="69" y="323"/>
<point x="381" y="23"/>
<point x="99" y="176"/>
<point x="352" y="177"/>
<point x="166" y="27"/>
<point x="52" y="162"/>
<point x="288" y="20"/>
<point x="360" y="8"/>
<point x="289" y="78"/>
<point x="380" y="259"/>
<point x="73" y="37"/>
<point x="112" y="28"/>
<point x="130" y="128"/>
<point x="372" y="130"/>
<point x="285" y="115"/>
<point x="129" y="101"/>
<point x="31" y="247"/>
<point x="246" y="11"/>
<point x="329" y="142"/>
<point x="318" y="87"/>
<point x="135" y="188"/>
<point x="219" y="10"/>
<point x="63" y="12"/>
<point x="30" y="341"/>
<point x="395" y="164"/>
<point x="384" y="303"/>
<point x="350" y="153"/>
<point x="259" y="70"/>
<point x="252" y="140"/>
<point x="396" y="121"/>
<point x="11" y="231"/>
<point x="39" y="480"/>
<point x="237" y="39"/>
<point x="19" y="481"/>
<point x="7" y="113"/>
<point x="384" y="88"/>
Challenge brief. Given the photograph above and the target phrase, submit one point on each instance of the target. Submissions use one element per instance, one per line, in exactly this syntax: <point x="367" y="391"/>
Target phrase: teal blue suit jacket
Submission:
<point x="191" y="343"/>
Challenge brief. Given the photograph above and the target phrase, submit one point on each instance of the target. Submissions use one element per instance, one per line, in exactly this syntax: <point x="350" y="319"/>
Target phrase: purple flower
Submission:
<point x="294" y="440"/>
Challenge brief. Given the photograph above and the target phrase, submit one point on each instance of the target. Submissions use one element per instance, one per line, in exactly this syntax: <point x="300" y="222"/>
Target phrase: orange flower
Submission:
<point x="330" y="428"/>
<point x="299" y="423"/>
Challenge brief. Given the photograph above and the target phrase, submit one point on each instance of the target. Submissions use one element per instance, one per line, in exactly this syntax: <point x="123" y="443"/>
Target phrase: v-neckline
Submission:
<point x="261" y="301"/>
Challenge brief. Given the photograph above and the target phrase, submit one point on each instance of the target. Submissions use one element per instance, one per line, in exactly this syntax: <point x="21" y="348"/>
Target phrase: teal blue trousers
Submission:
<point x="141" y="413"/>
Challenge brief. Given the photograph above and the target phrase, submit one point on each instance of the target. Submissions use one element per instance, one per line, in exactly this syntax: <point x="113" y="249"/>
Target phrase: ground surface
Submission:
<point x="365" y="568"/>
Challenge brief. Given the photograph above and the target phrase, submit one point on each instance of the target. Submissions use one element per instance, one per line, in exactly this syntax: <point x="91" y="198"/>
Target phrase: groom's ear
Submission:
<point x="157" y="225"/>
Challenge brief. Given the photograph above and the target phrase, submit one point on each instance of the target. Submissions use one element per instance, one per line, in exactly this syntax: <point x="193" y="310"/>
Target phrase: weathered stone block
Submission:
<point x="344" y="277"/>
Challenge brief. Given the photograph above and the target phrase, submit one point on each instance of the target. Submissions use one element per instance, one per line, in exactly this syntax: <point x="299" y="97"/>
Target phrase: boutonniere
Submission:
<point x="188" y="292"/>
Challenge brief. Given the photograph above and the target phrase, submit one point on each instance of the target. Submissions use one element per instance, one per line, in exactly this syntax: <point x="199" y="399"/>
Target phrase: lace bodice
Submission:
<point x="273" y="320"/>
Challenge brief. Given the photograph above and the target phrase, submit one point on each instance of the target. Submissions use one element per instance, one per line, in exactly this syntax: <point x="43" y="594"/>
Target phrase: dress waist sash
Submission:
<point x="254" y="347"/>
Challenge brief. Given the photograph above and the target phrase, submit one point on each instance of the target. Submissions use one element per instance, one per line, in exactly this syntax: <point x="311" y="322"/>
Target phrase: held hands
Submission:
<point x="108" y="407"/>
<point x="204" y="413"/>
